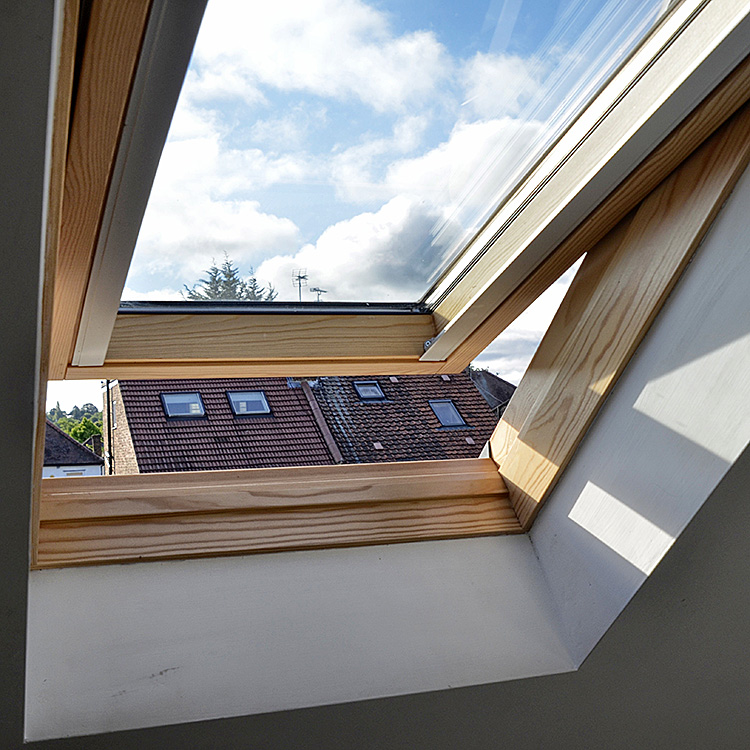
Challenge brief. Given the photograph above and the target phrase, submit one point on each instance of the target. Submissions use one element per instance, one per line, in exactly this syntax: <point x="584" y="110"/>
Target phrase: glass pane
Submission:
<point x="248" y="402"/>
<point x="182" y="404"/>
<point x="447" y="413"/>
<point x="369" y="390"/>
<point x="345" y="150"/>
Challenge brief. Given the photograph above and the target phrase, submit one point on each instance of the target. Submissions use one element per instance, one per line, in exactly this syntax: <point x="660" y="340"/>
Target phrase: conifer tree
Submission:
<point x="225" y="282"/>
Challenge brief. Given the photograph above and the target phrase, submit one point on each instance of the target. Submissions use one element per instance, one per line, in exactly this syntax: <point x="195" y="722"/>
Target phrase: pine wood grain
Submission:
<point x="91" y="520"/>
<point x="112" y="47"/>
<point x="620" y="307"/>
<point x="58" y="156"/>
<point x="542" y="366"/>
<point x="234" y="533"/>
<point x="294" y="368"/>
<point x="279" y="336"/>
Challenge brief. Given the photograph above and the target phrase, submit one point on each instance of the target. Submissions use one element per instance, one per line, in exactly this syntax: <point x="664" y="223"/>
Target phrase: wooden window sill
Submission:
<point x="119" y="519"/>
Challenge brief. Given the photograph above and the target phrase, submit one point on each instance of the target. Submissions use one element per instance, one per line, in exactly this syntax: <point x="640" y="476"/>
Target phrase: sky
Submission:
<point x="361" y="141"/>
<point x="364" y="142"/>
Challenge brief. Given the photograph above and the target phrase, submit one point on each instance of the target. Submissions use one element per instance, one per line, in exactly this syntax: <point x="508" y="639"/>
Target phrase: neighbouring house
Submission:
<point x="406" y="418"/>
<point x="66" y="457"/>
<point x="241" y="423"/>
<point x="496" y="391"/>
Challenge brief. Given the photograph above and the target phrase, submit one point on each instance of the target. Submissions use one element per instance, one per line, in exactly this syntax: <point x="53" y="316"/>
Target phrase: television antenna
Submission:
<point x="299" y="279"/>
<point x="318" y="291"/>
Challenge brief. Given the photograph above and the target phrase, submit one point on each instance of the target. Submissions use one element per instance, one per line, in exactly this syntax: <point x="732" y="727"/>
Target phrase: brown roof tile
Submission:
<point x="403" y="427"/>
<point x="287" y="437"/>
<point x="404" y="423"/>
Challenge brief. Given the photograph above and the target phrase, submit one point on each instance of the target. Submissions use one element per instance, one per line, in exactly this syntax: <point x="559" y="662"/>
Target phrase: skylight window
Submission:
<point x="248" y="403"/>
<point x="369" y="390"/>
<point x="183" y="405"/>
<point x="446" y="411"/>
<point x="348" y="150"/>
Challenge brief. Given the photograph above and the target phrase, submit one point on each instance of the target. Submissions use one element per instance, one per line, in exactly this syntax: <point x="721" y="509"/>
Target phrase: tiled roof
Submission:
<point x="496" y="391"/>
<point x="287" y="437"/>
<point x="404" y="426"/>
<point x="62" y="450"/>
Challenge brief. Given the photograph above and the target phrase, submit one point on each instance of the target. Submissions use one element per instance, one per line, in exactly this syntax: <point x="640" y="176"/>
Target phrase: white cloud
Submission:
<point x="290" y="48"/>
<point x="464" y="172"/>
<point x="197" y="210"/>
<point x="357" y="172"/>
<point x="373" y="256"/>
<point x="217" y="80"/>
<point x="291" y="130"/>
<point x="499" y="85"/>
<point x="153" y="294"/>
<point x="189" y="122"/>
<point x="179" y="241"/>
<point x="192" y="217"/>
<point x="446" y="171"/>
<point x="202" y="207"/>
<point x="206" y="164"/>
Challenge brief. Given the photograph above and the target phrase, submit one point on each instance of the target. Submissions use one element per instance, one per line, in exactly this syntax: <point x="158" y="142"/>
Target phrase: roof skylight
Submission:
<point x="369" y="390"/>
<point x="248" y="403"/>
<point x="360" y="145"/>
<point x="446" y="411"/>
<point x="183" y="405"/>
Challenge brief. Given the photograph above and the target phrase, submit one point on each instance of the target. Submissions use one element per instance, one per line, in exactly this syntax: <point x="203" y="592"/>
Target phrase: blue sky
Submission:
<point x="344" y="136"/>
<point x="341" y="136"/>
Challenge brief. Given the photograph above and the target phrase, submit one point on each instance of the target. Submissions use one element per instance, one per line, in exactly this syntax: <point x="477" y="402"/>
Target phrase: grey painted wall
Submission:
<point x="26" y="33"/>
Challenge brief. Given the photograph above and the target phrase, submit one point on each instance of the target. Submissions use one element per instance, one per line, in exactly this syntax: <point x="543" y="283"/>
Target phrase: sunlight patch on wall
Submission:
<point x="623" y="530"/>
<point x="660" y="400"/>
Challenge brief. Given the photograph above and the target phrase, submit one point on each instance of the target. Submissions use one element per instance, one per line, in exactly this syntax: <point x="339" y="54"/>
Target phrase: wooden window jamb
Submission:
<point x="613" y="300"/>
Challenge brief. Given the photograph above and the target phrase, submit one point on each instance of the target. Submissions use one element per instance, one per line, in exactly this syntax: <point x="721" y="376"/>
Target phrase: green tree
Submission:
<point x="55" y="413"/>
<point x="80" y="420"/>
<point x="66" y="424"/>
<point x="225" y="282"/>
<point x="84" y="429"/>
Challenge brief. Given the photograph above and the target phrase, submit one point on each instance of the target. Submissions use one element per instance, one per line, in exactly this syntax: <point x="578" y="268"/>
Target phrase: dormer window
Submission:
<point x="183" y="405"/>
<point x="446" y="411"/>
<point x="369" y="390"/>
<point x="248" y="403"/>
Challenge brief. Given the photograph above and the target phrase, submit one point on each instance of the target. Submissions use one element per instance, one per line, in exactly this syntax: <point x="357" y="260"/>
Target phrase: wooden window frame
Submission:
<point x="139" y="517"/>
<point x="117" y="519"/>
<point x="635" y="132"/>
